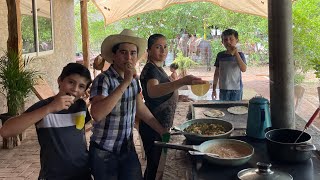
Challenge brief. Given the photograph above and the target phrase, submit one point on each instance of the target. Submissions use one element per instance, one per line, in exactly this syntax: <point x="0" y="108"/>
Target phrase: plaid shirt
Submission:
<point x="114" y="133"/>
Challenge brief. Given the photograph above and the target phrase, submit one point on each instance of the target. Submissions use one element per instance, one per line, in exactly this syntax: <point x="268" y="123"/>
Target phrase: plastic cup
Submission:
<point x="79" y="121"/>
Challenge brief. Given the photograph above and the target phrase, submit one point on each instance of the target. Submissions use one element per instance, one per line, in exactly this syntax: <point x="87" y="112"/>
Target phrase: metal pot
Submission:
<point x="197" y="138"/>
<point x="263" y="172"/>
<point x="281" y="146"/>
<point x="205" y="147"/>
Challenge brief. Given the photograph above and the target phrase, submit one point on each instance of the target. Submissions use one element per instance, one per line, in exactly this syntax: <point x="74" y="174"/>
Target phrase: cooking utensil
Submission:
<point x="197" y="138"/>
<point x="258" y="117"/>
<point x="202" y="153"/>
<point x="163" y="158"/>
<point x="263" y="172"/>
<point x="308" y="123"/>
<point x="280" y="145"/>
<point x="207" y="145"/>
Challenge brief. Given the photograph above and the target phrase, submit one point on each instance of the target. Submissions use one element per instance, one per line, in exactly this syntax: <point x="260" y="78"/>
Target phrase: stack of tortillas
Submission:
<point x="238" y="110"/>
<point x="200" y="89"/>
<point x="215" y="113"/>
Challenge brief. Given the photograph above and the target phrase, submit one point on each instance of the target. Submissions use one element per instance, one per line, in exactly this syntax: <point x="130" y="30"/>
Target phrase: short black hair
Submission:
<point x="174" y="66"/>
<point x="152" y="39"/>
<point x="229" y="32"/>
<point x="76" y="68"/>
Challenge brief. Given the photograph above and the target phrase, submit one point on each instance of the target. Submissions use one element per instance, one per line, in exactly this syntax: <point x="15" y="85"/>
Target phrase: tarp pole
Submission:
<point x="281" y="64"/>
<point x="85" y="32"/>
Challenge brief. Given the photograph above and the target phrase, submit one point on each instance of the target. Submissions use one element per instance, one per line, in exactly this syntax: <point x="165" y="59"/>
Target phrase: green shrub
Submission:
<point x="16" y="80"/>
<point x="184" y="63"/>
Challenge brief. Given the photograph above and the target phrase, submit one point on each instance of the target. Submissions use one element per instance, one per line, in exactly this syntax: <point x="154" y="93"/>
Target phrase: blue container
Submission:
<point x="258" y="117"/>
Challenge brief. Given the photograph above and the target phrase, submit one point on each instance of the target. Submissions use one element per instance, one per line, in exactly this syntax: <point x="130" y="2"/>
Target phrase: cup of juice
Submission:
<point x="79" y="121"/>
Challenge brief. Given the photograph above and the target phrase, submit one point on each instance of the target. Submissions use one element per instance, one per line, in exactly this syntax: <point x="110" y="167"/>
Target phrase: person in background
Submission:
<point x="115" y="101"/>
<point x="59" y="122"/>
<point x="192" y="47"/>
<point x="161" y="96"/>
<point x="173" y="70"/>
<point x="229" y="65"/>
<point x="183" y="46"/>
<point x="204" y="50"/>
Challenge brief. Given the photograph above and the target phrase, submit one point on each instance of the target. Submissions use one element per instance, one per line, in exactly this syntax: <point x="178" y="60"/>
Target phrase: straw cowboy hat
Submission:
<point x="126" y="36"/>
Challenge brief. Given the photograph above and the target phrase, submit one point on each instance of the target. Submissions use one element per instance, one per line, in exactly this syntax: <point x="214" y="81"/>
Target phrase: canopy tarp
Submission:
<point x="114" y="10"/>
<point x="42" y="6"/>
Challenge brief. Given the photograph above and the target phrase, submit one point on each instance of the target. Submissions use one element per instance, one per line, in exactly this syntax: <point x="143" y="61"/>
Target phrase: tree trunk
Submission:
<point x="14" y="26"/>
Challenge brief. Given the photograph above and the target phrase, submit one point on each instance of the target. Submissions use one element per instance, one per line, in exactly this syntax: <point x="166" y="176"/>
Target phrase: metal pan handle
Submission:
<point x="176" y="146"/>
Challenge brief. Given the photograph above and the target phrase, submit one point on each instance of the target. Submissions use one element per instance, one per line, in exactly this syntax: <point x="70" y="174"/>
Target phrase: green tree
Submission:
<point x="253" y="30"/>
<point x="306" y="35"/>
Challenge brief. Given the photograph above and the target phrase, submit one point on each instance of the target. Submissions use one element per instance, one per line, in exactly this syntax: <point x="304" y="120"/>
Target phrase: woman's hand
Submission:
<point x="192" y="80"/>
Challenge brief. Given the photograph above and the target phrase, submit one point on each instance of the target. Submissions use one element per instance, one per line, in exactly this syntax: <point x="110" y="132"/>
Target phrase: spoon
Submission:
<point x="203" y="153"/>
<point x="308" y="123"/>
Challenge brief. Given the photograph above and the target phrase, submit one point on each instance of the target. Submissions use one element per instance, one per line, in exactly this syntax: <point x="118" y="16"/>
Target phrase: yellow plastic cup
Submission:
<point x="79" y="121"/>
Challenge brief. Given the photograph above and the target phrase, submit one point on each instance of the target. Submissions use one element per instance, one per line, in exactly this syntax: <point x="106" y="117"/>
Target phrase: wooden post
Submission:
<point x="85" y="32"/>
<point x="14" y="43"/>
<point x="281" y="65"/>
<point x="14" y="26"/>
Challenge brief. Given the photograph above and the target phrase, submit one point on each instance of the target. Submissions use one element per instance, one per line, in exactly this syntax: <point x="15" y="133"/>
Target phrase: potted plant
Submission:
<point x="16" y="81"/>
<point x="184" y="63"/>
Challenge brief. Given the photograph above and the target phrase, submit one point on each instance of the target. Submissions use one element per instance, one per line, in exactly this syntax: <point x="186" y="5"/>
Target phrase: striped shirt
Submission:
<point x="63" y="153"/>
<point x="230" y="77"/>
<point x="115" y="132"/>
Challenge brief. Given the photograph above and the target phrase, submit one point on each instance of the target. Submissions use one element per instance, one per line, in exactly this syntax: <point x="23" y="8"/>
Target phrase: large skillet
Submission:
<point x="205" y="148"/>
<point x="197" y="138"/>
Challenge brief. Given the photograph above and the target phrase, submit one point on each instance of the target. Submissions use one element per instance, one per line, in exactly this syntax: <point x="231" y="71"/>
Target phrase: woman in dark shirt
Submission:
<point x="161" y="97"/>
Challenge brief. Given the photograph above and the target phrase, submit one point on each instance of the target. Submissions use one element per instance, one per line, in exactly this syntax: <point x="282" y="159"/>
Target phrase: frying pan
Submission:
<point x="197" y="138"/>
<point x="206" y="146"/>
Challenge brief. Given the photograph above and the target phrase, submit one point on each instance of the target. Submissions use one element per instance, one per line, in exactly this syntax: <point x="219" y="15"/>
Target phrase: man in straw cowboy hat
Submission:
<point x="115" y="102"/>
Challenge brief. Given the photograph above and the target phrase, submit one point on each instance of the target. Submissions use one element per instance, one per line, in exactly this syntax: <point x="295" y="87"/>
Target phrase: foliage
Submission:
<point x="298" y="78"/>
<point x="306" y="31"/>
<point x="184" y="63"/>
<point x="16" y="79"/>
<point x="97" y="30"/>
<point x="44" y="25"/>
<point x="193" y="17"/>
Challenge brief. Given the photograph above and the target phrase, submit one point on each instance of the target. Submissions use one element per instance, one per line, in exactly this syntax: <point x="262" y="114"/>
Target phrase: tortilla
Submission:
<point x="200" y="89"/>
<point x="214" y="113"/>
<point x="238" y="110"/>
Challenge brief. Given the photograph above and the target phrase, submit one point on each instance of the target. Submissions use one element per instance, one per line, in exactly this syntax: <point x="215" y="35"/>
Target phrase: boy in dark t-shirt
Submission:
<point x="59" y="122"/>
<point x="229" y="66"/>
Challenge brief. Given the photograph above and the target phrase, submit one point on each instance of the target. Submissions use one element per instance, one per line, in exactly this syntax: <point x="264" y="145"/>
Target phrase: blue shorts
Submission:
<point x="230" y="95"/>
<point x="108" y="165"/>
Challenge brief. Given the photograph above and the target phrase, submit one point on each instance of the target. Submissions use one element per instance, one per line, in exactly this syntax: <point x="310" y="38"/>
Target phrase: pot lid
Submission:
<point x="263" y="172"/>
<point x="258" y="100"/>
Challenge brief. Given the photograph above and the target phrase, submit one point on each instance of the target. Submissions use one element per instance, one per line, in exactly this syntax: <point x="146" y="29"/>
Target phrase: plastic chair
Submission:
<point x="298" y="94"/>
